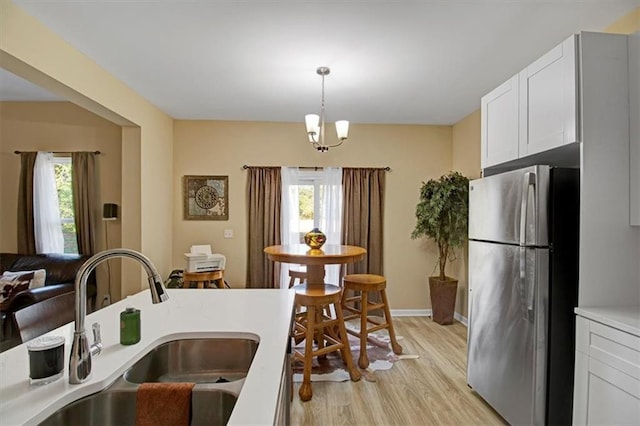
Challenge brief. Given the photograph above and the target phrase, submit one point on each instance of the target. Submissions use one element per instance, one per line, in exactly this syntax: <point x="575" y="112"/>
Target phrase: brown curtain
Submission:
<point x="363" y="216"/>
<point x="264" y="188"/>
<point x="26" y="233"/>
<point x="85" y="200"/>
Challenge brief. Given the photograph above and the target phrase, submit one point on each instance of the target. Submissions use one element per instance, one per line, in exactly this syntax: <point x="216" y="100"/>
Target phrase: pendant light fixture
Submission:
<point x="315" y="123"/>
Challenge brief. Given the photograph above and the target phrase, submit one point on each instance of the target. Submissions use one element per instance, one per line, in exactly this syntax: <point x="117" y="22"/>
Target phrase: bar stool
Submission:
<point x="329" y="333"/>
<point x="203" y="279"/>
<point x="297" y="275"/>
<point x="301" y="276"/>
<point x="361" y="285"/>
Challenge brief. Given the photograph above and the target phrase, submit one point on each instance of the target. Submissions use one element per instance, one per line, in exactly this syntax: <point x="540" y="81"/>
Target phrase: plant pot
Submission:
<point x="443" y="299"/>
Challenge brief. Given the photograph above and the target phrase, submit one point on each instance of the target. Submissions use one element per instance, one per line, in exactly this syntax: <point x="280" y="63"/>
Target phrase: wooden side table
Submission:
<point x="203" y="279"/>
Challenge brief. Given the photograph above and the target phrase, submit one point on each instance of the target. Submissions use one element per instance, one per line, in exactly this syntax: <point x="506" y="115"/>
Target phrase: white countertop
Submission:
<point x="625" y="318"/>
<point x="265" y="313"/>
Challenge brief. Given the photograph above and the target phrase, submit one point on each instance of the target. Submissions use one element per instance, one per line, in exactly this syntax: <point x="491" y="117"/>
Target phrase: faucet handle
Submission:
<point x="96" y="347"/>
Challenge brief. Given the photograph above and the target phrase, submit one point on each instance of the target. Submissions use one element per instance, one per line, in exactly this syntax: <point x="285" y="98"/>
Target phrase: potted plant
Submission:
<point x="442" y="215"/>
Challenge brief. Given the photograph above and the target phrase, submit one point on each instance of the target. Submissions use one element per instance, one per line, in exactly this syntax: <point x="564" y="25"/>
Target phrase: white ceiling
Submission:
<point x="405" y="62"/>
<point x="14" y="88"/>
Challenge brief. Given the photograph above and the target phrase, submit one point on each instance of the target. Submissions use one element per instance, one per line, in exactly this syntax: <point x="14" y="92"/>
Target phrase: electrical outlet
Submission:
<point x="228" y="233"/>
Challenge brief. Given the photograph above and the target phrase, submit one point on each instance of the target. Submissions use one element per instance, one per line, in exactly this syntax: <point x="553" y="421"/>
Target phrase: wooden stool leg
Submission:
<point x="363" y="361"/>
<point x="319" y="335"/>
<point x="354" y="373"/>
<point x="397" y="349"/>
<point x="305" y="391"/>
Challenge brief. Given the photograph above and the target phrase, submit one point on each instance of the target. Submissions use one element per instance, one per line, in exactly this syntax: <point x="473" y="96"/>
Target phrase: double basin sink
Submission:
<point x="217" y="366"/>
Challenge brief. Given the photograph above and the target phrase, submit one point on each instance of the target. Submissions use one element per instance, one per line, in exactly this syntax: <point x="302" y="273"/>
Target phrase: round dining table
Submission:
<point x="315" y="259"/>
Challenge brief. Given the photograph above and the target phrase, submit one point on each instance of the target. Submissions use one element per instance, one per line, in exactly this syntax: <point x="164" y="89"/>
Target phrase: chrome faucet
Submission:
<point x="81" y="352"/>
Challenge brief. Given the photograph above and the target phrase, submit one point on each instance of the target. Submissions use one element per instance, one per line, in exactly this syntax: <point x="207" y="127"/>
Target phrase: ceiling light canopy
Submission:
<point x="315" y="123"/>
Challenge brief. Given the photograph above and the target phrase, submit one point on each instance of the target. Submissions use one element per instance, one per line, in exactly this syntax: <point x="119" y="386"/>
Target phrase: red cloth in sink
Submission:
<point x="164" y="404"/>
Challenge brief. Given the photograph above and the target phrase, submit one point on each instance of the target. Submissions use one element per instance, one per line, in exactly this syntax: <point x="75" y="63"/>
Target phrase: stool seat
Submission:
<point x="327" y="332"/>
<point x="316" y="293"/>
<point x="359" y="305"/>
<point x="203" y="279"/>
<point x="369" y="282"/>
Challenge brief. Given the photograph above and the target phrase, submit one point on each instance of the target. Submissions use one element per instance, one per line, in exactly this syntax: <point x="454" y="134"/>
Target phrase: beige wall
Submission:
<point x="59" y="126"/>
<point x="32" y="51"/>
<point x="466" y="160"/>
<point x="414" y="153"/>
<point x="627" y="24"/>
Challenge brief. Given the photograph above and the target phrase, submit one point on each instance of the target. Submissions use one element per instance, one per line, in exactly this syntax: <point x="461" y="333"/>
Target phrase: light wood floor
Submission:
<point x="431" y="390"/>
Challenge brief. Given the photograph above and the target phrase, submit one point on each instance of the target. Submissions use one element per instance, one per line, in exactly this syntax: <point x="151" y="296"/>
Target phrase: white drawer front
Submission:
<point x="613" y="347"/>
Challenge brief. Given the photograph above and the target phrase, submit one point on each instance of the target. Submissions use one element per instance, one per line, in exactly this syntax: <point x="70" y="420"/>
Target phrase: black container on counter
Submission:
<point x="46" y="359"/>
<point x="130" y="326"/>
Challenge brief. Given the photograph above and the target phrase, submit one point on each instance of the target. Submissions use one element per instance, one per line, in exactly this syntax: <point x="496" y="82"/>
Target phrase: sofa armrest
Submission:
<point x="35" y="295"/>
<point x="60" y="267"/>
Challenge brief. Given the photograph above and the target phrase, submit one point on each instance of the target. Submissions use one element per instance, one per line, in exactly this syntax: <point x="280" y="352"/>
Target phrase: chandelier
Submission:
<point x="315" y="123"/>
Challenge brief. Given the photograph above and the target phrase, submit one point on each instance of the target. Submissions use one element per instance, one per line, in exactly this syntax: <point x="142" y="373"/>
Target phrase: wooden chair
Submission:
<point x="313" y="325"/>
<point x="359" y="306"/>
<point x="41" y="317"/>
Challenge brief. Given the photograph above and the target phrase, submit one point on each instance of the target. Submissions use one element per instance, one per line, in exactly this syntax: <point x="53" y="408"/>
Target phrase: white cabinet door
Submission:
<point x="607" y="375"/>
<point x="499" y="125"/>
<point x="548" y="103"/>
<point x="634" y="122"/>
<point x="613" y="396"/>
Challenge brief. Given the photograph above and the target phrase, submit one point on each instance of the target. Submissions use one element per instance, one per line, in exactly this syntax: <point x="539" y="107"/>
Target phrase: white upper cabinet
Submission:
<point x="548" y="103"/>
<point x="566" y="96"/>
<point x="499" y="126"/>
<point x="535" y="110"/>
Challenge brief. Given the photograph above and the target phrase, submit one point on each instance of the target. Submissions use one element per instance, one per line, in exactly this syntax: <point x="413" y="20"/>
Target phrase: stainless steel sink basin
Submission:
<point x="210" y="360"/>
<point x="216" y="365"/>
<point x="118" y="407"/>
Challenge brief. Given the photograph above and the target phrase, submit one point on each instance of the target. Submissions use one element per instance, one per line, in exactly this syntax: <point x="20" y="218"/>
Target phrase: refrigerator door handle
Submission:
<point x="526" y="292"/>
<point x="528" y="183"/>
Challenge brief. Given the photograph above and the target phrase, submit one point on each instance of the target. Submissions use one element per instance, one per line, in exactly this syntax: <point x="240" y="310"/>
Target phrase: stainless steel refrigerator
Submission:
<point x="523" y="281"/>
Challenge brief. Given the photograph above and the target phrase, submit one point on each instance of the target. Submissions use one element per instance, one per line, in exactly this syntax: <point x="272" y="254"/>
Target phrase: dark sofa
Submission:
<point x="61" y="271"/>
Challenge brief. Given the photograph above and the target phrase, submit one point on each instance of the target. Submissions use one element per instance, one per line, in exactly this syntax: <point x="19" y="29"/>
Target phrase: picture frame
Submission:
<point x="206" y="197"/>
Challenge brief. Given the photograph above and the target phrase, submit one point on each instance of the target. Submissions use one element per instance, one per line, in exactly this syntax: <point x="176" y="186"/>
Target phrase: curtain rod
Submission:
<point x="388" y="169"/>
<point x="59" y="152"/>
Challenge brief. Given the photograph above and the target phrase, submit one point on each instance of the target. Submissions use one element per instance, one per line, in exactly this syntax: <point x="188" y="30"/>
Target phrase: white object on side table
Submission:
<point x="200" y="259"/>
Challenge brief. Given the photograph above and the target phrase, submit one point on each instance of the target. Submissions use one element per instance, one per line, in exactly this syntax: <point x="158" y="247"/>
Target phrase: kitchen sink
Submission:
<point x="217" y="366"/>
<point x="117" y="406"/>
<point x="210" y="360"/>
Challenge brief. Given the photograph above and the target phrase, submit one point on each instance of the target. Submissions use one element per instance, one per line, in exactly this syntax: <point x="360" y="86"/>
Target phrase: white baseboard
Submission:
<point x="460" y="318"/>
<point x="410" y="312"/>
<point x="423" y="313"/>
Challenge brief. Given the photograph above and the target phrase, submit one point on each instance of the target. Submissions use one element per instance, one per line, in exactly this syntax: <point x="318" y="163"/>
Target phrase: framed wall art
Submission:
<point x="206" y="197"/>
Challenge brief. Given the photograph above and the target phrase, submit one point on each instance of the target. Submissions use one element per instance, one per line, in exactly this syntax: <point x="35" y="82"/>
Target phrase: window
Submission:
<point x="311" y="199"/>
<point x="63" y="171"/>
<point x="307" y="189"/>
